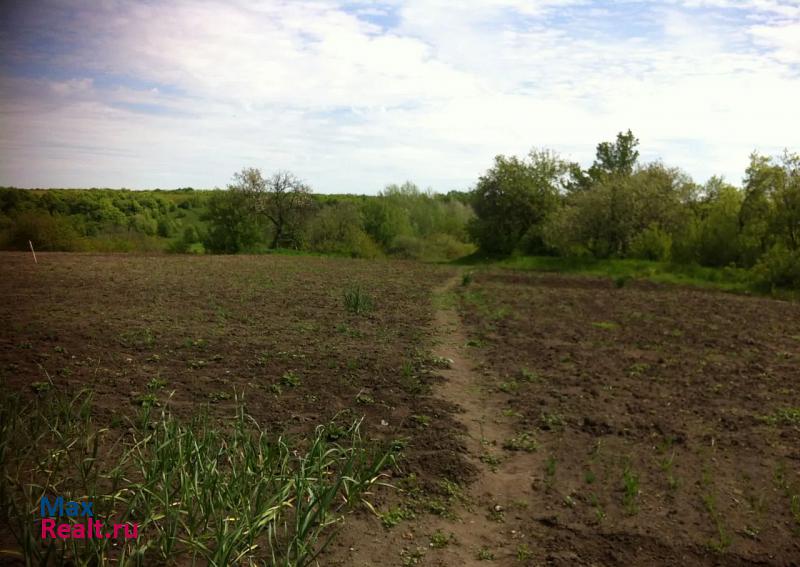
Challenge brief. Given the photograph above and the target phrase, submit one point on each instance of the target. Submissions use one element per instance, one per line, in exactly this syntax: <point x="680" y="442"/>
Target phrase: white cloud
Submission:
<point x="353" y="97"/>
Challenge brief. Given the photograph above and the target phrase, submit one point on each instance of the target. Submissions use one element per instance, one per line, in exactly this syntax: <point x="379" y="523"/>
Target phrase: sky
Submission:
<point x="354" y="95"/>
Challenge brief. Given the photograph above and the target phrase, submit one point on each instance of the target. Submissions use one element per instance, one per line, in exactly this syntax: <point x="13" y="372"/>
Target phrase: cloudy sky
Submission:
<point x="354" y="95"/>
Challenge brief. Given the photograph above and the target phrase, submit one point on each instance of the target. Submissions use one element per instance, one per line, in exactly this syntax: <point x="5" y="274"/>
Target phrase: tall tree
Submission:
<point x="512" y="199"/>
<point x="282" y="198"/>
<point x="616" y="158"/>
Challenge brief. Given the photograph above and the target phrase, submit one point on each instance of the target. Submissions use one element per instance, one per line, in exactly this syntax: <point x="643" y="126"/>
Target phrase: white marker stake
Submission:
<point x="35" y="261"/>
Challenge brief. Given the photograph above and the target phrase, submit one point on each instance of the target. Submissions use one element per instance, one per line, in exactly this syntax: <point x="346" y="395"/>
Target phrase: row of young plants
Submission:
<point x="203" y="490"/>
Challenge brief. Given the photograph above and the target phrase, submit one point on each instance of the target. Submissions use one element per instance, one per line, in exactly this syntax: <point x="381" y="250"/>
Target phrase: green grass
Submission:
<point x="784" y="416"/>
<point x="357" y="300"/>
<point x="201" y="491"/>
<point x="623" y="271"/>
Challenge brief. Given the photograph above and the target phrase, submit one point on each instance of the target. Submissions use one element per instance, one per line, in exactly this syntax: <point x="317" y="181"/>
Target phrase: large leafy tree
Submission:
<point x="283" y="199"/>
<point x="232" y="226"/>
<point x="513" y="198"/>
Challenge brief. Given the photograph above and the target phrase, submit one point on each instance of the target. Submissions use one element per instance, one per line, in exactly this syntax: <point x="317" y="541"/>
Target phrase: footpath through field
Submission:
<point x="484" y="527"/>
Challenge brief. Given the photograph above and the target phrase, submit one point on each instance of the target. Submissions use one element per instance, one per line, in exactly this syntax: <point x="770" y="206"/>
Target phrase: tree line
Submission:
<point x="254" y="214"/>
<point x="539" y="204"/>
<point x="621" y="208"/>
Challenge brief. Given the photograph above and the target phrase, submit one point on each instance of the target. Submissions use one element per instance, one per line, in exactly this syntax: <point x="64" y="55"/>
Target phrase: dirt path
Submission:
<point x="486" y="523"/>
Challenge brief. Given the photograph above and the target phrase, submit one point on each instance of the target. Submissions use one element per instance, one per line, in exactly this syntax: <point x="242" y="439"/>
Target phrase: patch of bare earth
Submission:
<point x="666" y="421"/>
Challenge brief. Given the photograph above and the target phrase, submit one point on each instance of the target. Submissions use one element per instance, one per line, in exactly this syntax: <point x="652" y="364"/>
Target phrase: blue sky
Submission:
<point x="354" y="95"/>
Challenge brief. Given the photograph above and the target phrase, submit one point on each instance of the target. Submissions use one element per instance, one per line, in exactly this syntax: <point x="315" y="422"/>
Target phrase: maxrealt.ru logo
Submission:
<point x="75" y="520"/>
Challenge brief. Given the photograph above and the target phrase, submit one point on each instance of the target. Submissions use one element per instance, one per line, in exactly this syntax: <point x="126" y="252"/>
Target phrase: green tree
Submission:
<point x="282" y="198"/>
<point x="513" y="198"/>
<point x="645" y="208"/>
<point x="232" y="225"/>
<point x="616" y="158"/>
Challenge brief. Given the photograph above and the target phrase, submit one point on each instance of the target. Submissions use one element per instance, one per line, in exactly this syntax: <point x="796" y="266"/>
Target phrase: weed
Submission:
<point x="349" y="331"/>
<point x="441" y="362"/>
<point x="365" y="399"/>
<point x="485" y="554"/>
<point x="466" y="279"/>
<point x="357" y="301"/>
<point x="638" y="369"/>
<point x="290" y="379"/>
<point x="599" y="511"/>
<point x="526" y="375"/>
<point x="784" y="416"/>
<point x="421" y="420"/>
<point x="398" y="444"/>
<point x="550" y="470"/>
<point x="215" y="397"/>
<point x="199" y="344"/>
<point x="146" y="400"/>
<point x="440" y="539"/>
<point x="396" y="515"/>
<point x="630" y="490"/>
<point x="156" y="383"/>
<point x="511" y="387"/>
<point x="40" y="387"/>
<point x="492" y="461"/>
<point x="794" y="506"/>
<point x="551" y="421"/>
<point x="524" y="553"/>
<point x="589" y="477"/>
<point x="521" y="442"/>
<point x="607" y="325"/>
<point x="138" y="338"/>
<point x="412" y="556"/>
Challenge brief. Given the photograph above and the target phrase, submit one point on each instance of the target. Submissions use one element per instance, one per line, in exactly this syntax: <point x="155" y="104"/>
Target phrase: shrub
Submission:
<point x="442" y="246"/>
<point x="778" y="268"/>
<point x="408" y="247"/>
<point x="652" y="244"/>
<point x="47" y="232"/>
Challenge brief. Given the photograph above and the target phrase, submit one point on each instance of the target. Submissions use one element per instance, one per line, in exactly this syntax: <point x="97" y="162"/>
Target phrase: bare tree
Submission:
<point x="282" y="198"/>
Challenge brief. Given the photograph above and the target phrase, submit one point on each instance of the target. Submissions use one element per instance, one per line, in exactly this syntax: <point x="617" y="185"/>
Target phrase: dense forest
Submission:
<point x="539" y="204"/>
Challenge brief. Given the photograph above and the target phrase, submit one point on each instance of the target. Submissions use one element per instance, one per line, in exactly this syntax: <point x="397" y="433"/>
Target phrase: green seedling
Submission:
<point x="521" y="442"/>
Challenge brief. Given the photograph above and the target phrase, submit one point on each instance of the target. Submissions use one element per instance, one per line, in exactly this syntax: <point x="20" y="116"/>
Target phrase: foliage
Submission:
<point x="45" y="231"/>
<point x="401" y="220"/>
<point x="282" y="198"/>
<point x="778" y="268"/>
<point x="513" y="199"/>
<point x="232" y="225"/>
<point x="184" y="484"/>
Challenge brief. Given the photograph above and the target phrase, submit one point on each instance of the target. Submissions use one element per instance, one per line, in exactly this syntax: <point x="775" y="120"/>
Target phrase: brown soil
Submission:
<point x="576" y="424"/>
<point x="210" y="329"/>
<point x="667" y="420"/>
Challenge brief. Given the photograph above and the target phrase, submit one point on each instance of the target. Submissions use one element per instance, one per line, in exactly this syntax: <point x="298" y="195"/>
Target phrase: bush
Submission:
<point x="408" y="247"/>
<point x="47" y="232"/>
<point x="446" y="247"/>
<point x="778" y="268"/>
<point x="651" y="244"/>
